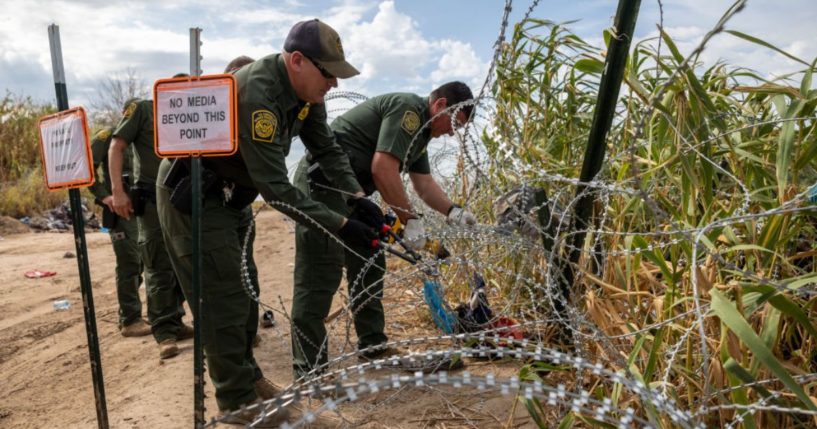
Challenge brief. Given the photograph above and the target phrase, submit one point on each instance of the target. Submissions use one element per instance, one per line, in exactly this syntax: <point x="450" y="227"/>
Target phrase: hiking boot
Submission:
<point x="139" y="328"/>
<point x="186" y="332"/>
<point x="256" y="340"/>
<point x="381" y="352"/>
<point x="248" y="416"/>
<point x="265" y="389"/>
<point x="168" y="348"/>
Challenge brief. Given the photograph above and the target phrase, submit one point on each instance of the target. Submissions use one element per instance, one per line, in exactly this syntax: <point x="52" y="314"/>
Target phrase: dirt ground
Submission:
<point x="45" y="376"/>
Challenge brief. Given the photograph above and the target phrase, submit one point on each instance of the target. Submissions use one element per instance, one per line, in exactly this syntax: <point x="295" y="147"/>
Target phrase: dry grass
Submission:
<point x="720" y="142"/>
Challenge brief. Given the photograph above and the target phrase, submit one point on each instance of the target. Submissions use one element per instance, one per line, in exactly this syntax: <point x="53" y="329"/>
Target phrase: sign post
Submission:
<point x="195" y="117"/>
<point x="67" y="163"/>
<point x="198" y="352"/>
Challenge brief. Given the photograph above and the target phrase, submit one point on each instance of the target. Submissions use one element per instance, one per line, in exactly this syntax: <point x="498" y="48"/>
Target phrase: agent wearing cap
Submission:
<point x="280" y="96"/>
<point x="384" y="136"/>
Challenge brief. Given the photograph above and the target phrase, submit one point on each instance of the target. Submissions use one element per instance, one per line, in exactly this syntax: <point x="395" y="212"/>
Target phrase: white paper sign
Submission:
<point x="66" y="149"/>
<point x="195" y="116"/>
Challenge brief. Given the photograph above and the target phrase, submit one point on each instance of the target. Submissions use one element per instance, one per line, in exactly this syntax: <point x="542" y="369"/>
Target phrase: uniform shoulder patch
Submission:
<point x="129" y="110"/>
<point x="264" y="124"/>
<point x="103" y="135"/>
<point x="410" y="122"/>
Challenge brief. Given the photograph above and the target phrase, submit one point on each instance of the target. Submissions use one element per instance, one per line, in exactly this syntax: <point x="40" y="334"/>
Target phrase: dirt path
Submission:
<point x="45" y="378"/>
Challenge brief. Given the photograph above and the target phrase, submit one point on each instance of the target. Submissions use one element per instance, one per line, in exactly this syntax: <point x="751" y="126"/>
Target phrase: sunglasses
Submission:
<point x="325" y="73"/>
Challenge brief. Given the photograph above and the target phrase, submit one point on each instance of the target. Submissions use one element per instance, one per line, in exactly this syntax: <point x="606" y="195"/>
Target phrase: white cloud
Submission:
<point x="268" y="16"/>
<point x="347" y="14"/>
<point x="390" y="45"/>
<point x="101" y="38"/>
<point x="458" y="62"/>
<point x="683" y="32"/>
<point x="391" y="48"/>
<point x="787" y="25"/>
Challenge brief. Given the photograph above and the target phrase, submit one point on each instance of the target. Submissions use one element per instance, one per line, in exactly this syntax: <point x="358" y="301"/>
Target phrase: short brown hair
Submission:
<point x="237" y="63"/>
<point x="455" y="92"/>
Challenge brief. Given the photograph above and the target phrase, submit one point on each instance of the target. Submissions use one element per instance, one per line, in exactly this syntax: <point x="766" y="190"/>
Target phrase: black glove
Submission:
<point x="367" y="212"/>
<point x="357" y="233"/>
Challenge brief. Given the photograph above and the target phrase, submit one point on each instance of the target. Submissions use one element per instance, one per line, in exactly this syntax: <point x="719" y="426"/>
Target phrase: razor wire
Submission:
<point x="486" y="248"/>
<point x="342" y="386"/>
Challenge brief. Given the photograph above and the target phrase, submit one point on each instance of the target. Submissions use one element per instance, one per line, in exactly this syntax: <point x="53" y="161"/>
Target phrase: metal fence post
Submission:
<point x="79" y="240"/>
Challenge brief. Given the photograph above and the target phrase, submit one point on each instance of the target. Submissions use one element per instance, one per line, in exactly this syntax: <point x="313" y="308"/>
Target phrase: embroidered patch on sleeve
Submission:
<point x="129" y="110"/>
<point x="264" y="124"/>
<point x="411" y="122"/>
<point x="103" y="135"/>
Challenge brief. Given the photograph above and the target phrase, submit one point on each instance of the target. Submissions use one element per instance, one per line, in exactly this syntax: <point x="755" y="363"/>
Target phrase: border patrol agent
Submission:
<point x="164" y="295"/>
<point x="382" y="136"/>
<point x="247" y="226"/>
<point x="280" y="96"/>
<point x="124" y="233"/>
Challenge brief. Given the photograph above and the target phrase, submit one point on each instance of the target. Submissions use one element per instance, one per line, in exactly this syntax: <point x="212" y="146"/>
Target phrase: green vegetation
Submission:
<point x="717" y="143"/>
<point x="22" y="187"/>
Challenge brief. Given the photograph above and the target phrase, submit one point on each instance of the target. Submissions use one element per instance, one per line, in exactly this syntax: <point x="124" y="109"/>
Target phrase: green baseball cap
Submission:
<point x="320" y="43"/>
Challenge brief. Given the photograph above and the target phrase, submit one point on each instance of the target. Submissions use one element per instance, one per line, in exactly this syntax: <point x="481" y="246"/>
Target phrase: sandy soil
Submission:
<point x="45" y="377"/>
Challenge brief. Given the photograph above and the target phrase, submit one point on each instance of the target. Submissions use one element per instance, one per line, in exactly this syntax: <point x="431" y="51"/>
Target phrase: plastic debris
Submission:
<point x="62" y="305"/>
<point x="36" y="274"/>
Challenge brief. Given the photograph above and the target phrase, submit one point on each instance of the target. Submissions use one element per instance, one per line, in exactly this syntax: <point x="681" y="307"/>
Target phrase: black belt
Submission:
<point x="231" y="194"/>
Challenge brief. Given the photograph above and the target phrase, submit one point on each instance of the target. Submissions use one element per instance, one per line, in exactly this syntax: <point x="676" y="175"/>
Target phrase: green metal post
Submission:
<point x="609" y="87"/>
<point x="195" y="173"/>
<point x="79" y="240"/>
<point x="198" y="355"/>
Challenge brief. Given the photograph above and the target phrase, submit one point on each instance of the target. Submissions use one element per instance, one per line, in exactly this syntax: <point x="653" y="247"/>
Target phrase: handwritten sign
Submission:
<point x="65" y="149"/>
<point x="195" y="116"/>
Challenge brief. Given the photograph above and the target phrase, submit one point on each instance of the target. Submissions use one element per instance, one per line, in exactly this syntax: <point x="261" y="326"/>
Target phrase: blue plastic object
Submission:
<point x="812" y="194"/>
<point x="445" y="320"/>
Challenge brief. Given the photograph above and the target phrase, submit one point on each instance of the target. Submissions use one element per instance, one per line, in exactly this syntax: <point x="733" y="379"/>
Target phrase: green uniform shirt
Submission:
<point x="386" y="123"/>
<point x="137" y="127"/>
<point x="99" y="149"/>
<point x="269" y="116"/>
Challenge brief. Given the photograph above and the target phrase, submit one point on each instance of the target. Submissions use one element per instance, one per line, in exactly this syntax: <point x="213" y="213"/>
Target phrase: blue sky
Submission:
<point x="399" y="45"/>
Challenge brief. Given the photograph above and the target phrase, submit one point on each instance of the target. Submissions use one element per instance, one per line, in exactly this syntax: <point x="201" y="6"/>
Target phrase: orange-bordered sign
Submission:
<point x="195" y="116"/>
<point x="65" y="149"/>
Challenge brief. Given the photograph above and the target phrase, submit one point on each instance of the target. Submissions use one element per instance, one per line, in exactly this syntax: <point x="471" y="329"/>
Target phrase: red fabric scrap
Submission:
<point x="36" y="274"/>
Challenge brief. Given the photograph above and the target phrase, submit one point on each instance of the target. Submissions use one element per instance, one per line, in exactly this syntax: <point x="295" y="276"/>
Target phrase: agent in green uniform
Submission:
<point x="280" y="96"/>
<point x="164" y="295"/>
<point x="246" y="231"/>
<point x="123" y="234"/>
<point x="382" y="136"/>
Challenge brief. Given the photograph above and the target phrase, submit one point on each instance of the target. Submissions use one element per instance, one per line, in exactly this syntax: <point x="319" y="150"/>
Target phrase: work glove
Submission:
<point x="459" y="216"/>
<point x="414" y="234"/>
<point x="357" y="233"/>
<point x="367" y="212"/>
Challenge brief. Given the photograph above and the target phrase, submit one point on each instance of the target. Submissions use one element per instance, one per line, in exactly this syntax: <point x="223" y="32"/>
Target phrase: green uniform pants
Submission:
<point x="319" y="262"/>
<point x="162" y="289"/>
<point x="229" y="318"/>
<point x="128" y="270"/>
